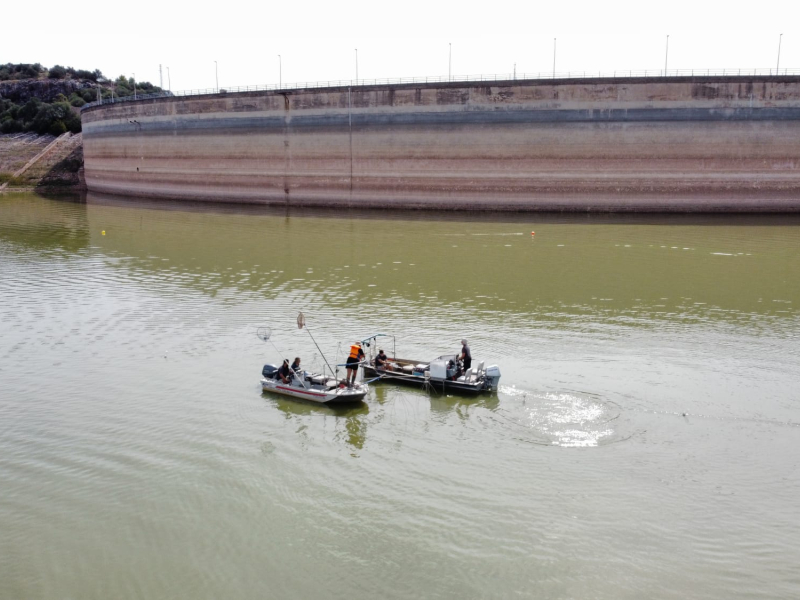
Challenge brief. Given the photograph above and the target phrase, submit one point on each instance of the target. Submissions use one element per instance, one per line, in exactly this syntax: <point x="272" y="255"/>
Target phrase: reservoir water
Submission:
<point x="644" y="442"/>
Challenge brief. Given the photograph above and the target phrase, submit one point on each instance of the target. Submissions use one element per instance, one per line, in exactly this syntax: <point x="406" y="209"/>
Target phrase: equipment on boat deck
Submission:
<point x="445" y="373"/>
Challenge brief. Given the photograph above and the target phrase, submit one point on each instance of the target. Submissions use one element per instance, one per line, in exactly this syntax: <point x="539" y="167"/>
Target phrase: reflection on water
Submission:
<point x="567" y="419"/>
<point x="641" y="442"/>
<point x="349" y="420"/>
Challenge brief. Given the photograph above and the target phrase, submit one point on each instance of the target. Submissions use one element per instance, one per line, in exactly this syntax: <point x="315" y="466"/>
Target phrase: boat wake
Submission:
<point x="567" y="419"/>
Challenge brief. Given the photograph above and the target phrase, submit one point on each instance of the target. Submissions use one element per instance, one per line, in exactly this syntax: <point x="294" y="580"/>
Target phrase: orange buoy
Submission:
<point x="533" y="233"/>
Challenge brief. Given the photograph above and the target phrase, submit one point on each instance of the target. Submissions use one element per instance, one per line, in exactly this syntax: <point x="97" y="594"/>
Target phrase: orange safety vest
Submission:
<point x="354" y="350"/>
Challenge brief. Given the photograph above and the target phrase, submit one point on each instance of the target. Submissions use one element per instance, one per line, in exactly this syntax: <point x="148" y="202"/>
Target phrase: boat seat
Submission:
<point x="318" y="379"/>
<point x="470" y="376"/>
<point x="408" y="369"/>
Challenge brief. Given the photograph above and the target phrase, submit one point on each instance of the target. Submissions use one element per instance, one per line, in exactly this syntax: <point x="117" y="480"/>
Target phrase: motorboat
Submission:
<point x="321" y="388"/>
<point x="444" y="373"/>
<point x="313" y="387"/>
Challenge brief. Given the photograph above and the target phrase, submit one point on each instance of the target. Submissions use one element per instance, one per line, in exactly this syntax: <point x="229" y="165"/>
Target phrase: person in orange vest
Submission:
<point x="356" y="356"/>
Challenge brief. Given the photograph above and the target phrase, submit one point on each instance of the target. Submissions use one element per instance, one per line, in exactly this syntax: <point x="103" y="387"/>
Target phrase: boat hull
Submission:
<point x="316" y="394"/>
<point x="439" y="385"/>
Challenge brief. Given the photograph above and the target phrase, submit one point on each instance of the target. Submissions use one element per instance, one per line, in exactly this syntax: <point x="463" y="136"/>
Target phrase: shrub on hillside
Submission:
<point x="73" y="122"/>
<point x="84" y="74"/>
<point x="58" y="72"/>
<point x="12" y="126"/>
<point x="19" y="71"/>
<point x="49" y="114"/>
<point x="57" y="128"/>
<point x="30" y="109"/>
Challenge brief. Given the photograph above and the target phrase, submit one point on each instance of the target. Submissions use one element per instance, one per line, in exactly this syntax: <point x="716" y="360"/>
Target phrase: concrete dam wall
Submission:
<point x="677" y="144"/>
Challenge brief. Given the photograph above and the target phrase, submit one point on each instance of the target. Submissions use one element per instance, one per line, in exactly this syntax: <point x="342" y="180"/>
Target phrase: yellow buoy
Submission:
<point x="104" y="232"/>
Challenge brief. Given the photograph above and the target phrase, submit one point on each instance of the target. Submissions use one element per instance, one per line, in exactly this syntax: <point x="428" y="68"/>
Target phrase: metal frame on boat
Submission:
<point x="443" y="374"/>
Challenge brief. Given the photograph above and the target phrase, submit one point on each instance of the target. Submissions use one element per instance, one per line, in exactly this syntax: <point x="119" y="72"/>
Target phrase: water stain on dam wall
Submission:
<point x="688" y="144"/>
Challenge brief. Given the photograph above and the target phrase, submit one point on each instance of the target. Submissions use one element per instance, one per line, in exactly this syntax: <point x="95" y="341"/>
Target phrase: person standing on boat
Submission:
<point x="284" y="374"/>
<point x="356" y="356"/>
<point x="466" y="355"/>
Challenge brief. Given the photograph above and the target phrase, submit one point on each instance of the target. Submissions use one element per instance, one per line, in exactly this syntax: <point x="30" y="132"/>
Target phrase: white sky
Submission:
<point x="317" y="40"/>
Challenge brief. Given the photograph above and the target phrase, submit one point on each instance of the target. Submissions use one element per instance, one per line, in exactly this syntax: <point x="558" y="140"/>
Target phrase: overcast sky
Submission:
<point x="317" y="40"/>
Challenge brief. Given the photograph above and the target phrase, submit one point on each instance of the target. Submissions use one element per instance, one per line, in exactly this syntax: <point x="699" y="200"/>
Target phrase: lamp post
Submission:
<point x="450" y="62"/>
<point x="554" y="58"/>
<point x="169" y="80"/>
<point x="280" y="72"/>
<point x="134" y="86"/>
<point x="216" y="75"/>
<point x="666" y="57"/>
<point x="778" y="67"/>
<point x="356" y="66"/>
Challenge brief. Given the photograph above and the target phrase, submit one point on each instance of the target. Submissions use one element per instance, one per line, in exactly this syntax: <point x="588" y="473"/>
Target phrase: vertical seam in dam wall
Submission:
<point x="589" y="146"/>
<point x="350" y="130"/>
<point x="287" y="152"/>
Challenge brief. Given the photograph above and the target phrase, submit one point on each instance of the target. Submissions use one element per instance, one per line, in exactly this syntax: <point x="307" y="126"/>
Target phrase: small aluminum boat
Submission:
<point x="443" y="374"/>
<point x="313" y="387"/>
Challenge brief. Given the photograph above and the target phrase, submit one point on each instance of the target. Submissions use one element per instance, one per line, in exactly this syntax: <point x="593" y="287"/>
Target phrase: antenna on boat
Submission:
<point x="301" y="322"/>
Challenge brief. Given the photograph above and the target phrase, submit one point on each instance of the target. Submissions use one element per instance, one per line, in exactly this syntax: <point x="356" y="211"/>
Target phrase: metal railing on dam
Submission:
<point x="497" y="77"/>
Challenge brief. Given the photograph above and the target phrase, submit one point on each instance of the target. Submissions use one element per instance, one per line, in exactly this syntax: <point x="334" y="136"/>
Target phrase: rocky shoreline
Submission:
<point x="58" y="169"/>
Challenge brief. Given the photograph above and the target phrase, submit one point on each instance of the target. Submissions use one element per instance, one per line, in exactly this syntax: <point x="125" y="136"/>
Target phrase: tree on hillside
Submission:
<point x="124" y="86"/>
<point x="57" y="72"/>
<point x="20" y="71"/>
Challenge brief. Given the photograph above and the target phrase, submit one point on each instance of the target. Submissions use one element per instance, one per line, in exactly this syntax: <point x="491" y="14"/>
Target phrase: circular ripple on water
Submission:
<point x="567" y="419"/>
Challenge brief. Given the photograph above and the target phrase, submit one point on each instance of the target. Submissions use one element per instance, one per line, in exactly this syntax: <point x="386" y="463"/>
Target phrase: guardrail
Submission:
<point x="623" y="73"/>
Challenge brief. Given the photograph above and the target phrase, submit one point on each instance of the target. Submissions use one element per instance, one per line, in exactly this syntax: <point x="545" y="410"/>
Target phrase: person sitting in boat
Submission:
<point x="284" y="374"/>
<point x="382" y="361"/>
<point x="296" y="365"/>
<point x="356" y="356"/>
<point x="466" y="355"/>
<point x="455" y="368"/>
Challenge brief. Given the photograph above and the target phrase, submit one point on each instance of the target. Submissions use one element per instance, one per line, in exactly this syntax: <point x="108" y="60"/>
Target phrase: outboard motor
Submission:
<point x="269" y="371"/>
<point x="492" y="377"/>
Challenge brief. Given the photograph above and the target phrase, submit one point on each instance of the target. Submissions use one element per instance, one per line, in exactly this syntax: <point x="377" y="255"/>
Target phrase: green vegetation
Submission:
<point x="35" y="71"/>
<point x="58" y="115"/>
<point x="11" y="180"/>
<point x="40" y="117"/>
<point x="10" y="71"/>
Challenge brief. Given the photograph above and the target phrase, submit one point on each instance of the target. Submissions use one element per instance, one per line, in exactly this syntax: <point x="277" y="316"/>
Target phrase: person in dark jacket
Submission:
<point x="381" y="361"/>
<point x="284" y="374"/>
<point x="466" y="355"/>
